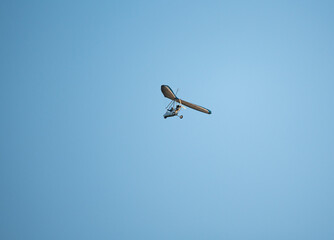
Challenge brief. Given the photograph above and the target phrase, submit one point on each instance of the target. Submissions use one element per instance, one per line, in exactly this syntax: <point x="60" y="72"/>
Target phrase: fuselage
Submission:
<point x="169" y="114"/>
<point x="172" y="112"/>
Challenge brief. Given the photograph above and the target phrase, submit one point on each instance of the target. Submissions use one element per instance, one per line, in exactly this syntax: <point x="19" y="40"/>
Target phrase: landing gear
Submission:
<point x="165" y="117"/>
<point x="181" y="116"/>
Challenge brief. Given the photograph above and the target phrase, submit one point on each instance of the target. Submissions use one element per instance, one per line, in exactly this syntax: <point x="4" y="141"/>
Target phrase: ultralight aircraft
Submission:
<point x="173" y="111"/>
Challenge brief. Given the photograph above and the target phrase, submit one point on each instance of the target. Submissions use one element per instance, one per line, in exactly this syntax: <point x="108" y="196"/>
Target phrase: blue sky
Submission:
<point x="86" y="154"/>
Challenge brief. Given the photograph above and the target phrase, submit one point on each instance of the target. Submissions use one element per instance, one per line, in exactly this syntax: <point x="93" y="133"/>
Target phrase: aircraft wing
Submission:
<point x="167" y="92"/>
<point x="193" y="106"/>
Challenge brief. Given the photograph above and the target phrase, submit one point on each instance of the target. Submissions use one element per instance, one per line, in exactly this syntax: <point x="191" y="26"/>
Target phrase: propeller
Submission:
<point x="179" y="99"/>
<point x="172" y="103"/>
<point x="182" y="105"/>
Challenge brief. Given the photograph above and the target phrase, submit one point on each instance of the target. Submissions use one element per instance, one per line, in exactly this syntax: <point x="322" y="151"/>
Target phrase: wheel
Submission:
<point x="165" y="117"/>
<point x="181" y="116"/>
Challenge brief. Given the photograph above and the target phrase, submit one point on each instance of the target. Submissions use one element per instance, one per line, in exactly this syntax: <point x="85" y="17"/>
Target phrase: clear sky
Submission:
<point x="86" y="154"/>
